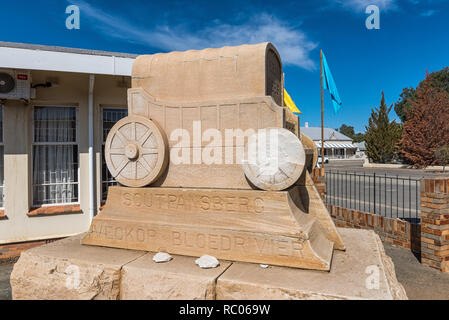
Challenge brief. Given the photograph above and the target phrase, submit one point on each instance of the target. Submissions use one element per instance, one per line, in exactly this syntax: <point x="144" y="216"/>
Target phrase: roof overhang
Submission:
<point x="336" y="145"/>
<point x="32" y="59"/>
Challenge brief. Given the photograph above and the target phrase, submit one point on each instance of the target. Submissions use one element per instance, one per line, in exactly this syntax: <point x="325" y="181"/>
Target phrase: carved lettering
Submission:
<point x="258" y="205"/>
<point x="205" y="203"/>
<point x="185" y="202"/>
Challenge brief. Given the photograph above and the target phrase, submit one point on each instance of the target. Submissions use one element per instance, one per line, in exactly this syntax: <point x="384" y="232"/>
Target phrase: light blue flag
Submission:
<point x="329" y="84"/>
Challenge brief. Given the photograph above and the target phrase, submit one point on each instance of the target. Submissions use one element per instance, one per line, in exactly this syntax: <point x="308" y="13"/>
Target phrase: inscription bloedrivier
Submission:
<point x="283" y="247"/>
<point x="202" y="202"/>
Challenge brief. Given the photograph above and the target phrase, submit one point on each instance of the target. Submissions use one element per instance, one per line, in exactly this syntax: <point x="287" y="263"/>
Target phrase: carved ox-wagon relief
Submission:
<point x="183" y="158"/>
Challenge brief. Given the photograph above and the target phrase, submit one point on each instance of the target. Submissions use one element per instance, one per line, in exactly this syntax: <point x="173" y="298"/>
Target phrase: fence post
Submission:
<point x="435" y="223"/>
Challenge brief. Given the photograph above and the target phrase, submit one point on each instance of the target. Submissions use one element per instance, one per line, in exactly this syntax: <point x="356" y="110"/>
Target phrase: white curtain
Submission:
<point x="55" y="156"/>
<point x="2" y="161"/>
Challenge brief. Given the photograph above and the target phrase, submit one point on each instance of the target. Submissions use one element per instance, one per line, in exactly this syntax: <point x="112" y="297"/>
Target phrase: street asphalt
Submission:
<point x="390" y="192"/>
<point x="5" y="288"/>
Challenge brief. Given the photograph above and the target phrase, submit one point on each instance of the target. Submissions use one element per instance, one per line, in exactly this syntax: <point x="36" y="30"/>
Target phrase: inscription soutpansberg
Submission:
<point x="186" y="202"/>
<point x="210" y="162"/>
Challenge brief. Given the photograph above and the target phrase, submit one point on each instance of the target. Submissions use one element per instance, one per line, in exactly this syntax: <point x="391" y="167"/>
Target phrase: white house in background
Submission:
<point x="336" y="145"/>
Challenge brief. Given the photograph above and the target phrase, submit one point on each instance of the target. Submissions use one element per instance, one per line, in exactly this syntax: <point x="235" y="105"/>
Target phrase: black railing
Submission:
<point x="385" y="195"/>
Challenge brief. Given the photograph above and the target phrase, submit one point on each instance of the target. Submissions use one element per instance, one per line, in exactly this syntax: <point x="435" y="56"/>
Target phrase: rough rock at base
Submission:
<point x="50" y="272"/>
<point x="65" y="270"/>
<point x="178" y="279"/>
<point x="347" y="279"/>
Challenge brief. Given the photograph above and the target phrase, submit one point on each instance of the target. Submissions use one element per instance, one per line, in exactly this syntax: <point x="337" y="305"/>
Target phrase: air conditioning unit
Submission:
<point x="15" y="84"/>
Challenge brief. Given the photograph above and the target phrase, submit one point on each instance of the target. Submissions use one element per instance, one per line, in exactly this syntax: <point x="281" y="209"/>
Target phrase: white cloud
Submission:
<point x="360" y="5"/>
<point x="292" y="43"/>
<point x="428" y="13"/>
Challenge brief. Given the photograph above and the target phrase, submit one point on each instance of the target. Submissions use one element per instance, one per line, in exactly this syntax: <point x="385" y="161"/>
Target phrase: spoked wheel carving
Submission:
<point x="136" y="151"/>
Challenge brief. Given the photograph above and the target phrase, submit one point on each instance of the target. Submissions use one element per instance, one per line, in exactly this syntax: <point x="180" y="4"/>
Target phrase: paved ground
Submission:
<point x="5" y="290"/>
<point x="420" y="282"/>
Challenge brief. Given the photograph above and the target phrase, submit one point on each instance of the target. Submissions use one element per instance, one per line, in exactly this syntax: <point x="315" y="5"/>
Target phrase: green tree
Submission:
<point x="349" y="132"/>
<point x="442" y="156"/>
<point x="382" y="135"/>
<point x="438" y="79"/>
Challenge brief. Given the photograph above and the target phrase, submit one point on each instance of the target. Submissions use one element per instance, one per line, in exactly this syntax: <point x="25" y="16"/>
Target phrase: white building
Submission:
<point x="52" y="175"/>
<point x="336" y="145"/>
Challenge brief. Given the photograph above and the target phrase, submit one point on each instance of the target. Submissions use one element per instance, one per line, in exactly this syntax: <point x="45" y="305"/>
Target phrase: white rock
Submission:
<point x="207" y="262"/>
<point x="264" y="266"/>
<point x="162" y="257"/>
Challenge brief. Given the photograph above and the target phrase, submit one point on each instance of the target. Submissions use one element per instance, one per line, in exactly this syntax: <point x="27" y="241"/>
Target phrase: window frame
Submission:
<point x="34" y="143"/>
<point x="102" y="145"/>
<point x="2" y="144"/>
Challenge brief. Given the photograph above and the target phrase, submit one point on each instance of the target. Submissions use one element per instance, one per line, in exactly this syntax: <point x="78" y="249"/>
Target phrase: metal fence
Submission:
<point x="385" y="195"/>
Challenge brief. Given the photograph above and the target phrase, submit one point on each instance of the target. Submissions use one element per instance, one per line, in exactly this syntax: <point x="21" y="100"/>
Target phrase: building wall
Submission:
<point x="72" y="90"/>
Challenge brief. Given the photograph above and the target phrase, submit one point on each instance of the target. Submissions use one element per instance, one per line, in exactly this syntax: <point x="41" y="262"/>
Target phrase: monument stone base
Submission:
<point x="239" y="225"/>
<point x="68" y="270"/>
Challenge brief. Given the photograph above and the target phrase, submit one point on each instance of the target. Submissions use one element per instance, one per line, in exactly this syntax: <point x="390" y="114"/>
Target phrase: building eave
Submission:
<point x="32" y="57"/>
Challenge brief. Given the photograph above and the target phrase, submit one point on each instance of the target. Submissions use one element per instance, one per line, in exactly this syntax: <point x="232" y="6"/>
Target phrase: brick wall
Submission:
<point x="394" y="231"/>
<point x="13" y="250"/>
<point x="435" y="223"/>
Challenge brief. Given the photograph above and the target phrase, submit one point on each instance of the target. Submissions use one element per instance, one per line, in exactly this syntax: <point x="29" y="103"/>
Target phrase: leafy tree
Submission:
<point x="402" y="107"/>
<point x="359" y="137"/>
<point x="442" y="156"/>
<point x="382" y="135"/>
<point x="439" y="79"/>
<point x="427" y="125"/>
<point x="349" y="132"/>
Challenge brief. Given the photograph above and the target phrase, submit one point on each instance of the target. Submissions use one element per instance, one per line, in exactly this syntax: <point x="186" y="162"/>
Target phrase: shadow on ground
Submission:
<point x="419" y="281"/>
<point x="5" y="289"/>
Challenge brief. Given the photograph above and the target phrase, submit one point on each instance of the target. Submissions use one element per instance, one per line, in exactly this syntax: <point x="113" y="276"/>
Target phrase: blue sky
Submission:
<point x="413" y="38"/>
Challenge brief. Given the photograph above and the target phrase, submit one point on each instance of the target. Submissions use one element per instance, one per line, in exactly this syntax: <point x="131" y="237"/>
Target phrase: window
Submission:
<point x="2" y="161"/>
<point x="55" y="156"/>
<point x="110" y="118"/>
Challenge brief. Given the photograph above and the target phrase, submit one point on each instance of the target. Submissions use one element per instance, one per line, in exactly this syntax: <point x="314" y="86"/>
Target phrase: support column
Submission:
<point x="435" y="223"/>
<point x="92" y="207"/>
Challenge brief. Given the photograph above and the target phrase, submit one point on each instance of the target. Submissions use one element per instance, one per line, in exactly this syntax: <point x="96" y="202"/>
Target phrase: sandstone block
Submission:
<point x="351" y="276"/>
<point x="66" y="270"/>
<point x="178" y="279"/>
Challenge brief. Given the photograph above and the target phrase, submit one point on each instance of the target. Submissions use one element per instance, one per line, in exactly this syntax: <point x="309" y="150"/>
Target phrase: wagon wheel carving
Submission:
<point x="136" y="151"/>
<point x="274" y="159"/>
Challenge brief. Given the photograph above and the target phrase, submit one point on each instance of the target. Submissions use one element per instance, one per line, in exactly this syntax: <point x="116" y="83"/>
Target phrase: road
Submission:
<point x="389" y="192"/>
<point x="357" y="166"/>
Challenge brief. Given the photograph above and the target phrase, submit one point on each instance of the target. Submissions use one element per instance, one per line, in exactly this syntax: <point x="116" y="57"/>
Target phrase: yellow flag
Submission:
<point x="290" y="104"/>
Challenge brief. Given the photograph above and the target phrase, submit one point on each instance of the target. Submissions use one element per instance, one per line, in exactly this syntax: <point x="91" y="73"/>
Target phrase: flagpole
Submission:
<point x="322" y="112"/>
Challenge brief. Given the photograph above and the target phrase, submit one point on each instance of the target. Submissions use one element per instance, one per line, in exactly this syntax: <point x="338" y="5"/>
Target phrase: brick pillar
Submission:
<point x="320" y="181"/>
<point x="435" y="223"/>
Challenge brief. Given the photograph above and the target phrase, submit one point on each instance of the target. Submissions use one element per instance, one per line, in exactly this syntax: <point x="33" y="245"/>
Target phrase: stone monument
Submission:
<point x="182" y="157"/>
<point x="210" y="163"/>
